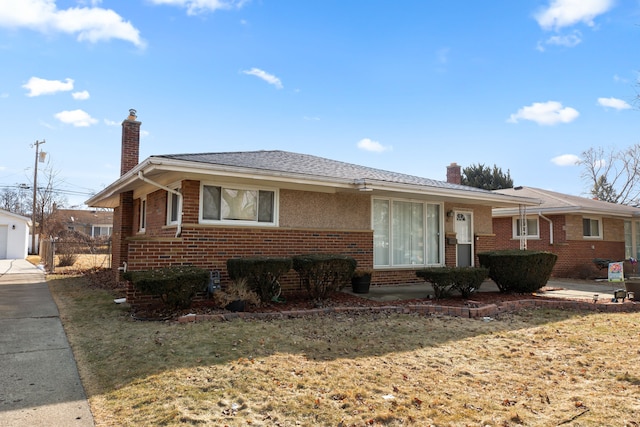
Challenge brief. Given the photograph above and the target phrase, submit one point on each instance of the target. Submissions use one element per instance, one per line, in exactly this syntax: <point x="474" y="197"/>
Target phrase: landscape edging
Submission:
<point x="487" y="310"/>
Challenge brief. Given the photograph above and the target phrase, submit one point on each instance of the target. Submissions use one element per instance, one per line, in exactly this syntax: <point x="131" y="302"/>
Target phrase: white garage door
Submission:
<point x="3" y="241"/>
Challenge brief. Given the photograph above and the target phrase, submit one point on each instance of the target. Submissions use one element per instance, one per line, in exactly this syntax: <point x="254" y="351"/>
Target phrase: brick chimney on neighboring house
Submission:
<point x="123" y="226"/>
<point x="454" y="175"/>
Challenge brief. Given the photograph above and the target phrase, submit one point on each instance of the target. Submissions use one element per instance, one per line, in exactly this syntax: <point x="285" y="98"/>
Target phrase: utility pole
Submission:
<point x="35" y="193"/>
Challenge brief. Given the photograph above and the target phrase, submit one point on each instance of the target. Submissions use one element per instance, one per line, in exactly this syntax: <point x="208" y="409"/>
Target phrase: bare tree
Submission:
<point x="16" y="200"/>
<point x="48" y="198"/>
<point x="613" y="175"/>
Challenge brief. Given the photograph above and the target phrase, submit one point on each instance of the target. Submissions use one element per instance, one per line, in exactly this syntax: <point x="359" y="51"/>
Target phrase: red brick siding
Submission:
<point x="129" y="155"/>
<point x="122" y="218"/>
<point x="573" y="255"/>
<point x="211" y="247"/>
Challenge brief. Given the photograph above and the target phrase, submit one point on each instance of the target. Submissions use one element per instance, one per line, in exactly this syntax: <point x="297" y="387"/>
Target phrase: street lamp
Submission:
<point x="39" y="156"/>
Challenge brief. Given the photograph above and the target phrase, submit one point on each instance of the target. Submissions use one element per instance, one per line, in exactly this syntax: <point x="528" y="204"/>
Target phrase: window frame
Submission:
<point x="244" y="223"/>
<point x="600" y="229"/>
<point x="516" y="229"/>
<point x="427" y="236"/>
<point x="108" y="228"/>
<point x="142" y="213"/>
<point x="170" y="198"/>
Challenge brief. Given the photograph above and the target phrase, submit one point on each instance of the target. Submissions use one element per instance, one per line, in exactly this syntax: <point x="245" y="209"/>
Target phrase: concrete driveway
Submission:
<point x="39" y="381"/>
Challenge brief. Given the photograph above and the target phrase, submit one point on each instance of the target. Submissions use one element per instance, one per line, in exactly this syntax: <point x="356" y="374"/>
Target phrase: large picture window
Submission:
<point x="406" y="233"/>
<point x="237" y="205"/>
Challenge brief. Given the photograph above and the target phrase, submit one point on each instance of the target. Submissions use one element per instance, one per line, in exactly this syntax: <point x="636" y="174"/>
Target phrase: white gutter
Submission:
<point x="550" y="227"/>
<point x="169" y="190"/>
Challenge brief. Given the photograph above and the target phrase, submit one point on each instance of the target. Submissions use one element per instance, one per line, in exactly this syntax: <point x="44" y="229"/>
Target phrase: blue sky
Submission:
<point x="407" y="86"/>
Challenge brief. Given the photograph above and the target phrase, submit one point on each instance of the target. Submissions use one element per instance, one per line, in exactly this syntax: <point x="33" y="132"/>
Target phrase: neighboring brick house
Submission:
<point x="203" y="209"/>
<point x="94" y="223"/>
<point x="577" y="229"/>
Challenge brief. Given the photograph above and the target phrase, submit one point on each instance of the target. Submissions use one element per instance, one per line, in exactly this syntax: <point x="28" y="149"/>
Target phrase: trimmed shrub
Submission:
<point x="519" y="271"/>
<point x="176" y="286"/>
<point x="465" y="280"/>
<point x="323" y="274"/>
<point x="262" y="273"/>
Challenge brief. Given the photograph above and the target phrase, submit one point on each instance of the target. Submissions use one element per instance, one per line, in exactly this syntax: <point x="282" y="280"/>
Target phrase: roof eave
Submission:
<point x="109" y="197"/>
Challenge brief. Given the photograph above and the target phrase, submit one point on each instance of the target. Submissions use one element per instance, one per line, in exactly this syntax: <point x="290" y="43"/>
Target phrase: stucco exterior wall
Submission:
<point x="340" y="211"/>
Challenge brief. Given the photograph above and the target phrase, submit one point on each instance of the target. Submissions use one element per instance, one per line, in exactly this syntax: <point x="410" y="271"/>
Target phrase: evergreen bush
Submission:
<point x="262" y="273"/>
<point x="520" y="271"/>
<point x="323" y="274"/>
<point x="465" y="280"/>
<point x="176" y="286"/>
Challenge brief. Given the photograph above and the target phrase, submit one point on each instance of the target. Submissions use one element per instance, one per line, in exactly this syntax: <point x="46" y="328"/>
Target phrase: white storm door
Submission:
<point x="464" y="236"/>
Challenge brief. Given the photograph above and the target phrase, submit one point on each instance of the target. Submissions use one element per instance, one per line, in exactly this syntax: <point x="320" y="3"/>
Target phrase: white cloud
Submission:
<point x="144" y="133"/>
<point x="80" y="96"/>
<point x="615" y="103"/>
<point x="370" y="145"/>
<point x="195" y="7"/>
<point x="545" y="113"/>
<point x="565" y="13"/>
<point x="269" y="78"/>
<point x="77" y="118"/>
<point x="91" y="24"/>
<point x="566" y="160"/>
<point x="38" y="86"/>
<point x="4" y="95"/>
<point x="570" y="40"/>
<point x="111" y="122"/>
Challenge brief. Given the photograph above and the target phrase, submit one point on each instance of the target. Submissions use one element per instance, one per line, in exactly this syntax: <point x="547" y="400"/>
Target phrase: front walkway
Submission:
<point x="39" y="377"/>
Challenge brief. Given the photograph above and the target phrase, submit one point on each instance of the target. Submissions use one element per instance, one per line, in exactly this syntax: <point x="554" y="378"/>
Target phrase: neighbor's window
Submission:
<point x="591" y="228"/>
<point x="532" y="230"/>
<point x="100" y="230"/>
<point x="406" y="233"/>
<point x="173" y="207"/>
<point x="143" y="214"/>
<point x="238" y="205"/>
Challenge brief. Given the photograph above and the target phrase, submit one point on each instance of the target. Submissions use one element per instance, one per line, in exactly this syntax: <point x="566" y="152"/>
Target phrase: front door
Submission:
<point x="464" y="235"/>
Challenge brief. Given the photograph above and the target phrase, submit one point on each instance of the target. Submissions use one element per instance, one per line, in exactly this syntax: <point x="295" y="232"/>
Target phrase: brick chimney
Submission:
<point x="130" y="143"/>
<point x="123" y="226"/>
<point x="453" y="173"/>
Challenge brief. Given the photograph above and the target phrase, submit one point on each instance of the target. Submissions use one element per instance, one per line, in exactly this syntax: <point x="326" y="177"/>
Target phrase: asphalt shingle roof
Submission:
<point x="551" y="200"/>
<point x="313" y="166"/>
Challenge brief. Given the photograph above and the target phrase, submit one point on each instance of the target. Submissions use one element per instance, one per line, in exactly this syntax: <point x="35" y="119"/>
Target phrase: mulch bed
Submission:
<point x="299" y="301"/>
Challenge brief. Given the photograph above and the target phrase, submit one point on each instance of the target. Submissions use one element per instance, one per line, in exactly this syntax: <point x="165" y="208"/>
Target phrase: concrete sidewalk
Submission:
<point x="40" y="385"/>
<point x="557" y="288"/>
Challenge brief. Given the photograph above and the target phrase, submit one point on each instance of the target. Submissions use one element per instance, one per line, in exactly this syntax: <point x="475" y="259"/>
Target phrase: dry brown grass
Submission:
<point x="535" y="368"/>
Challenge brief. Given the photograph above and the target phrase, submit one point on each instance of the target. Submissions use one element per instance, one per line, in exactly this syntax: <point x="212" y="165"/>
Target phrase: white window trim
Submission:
<point x="177" y="187"/>
<point x="142" y="224"/>
<point x="100" y="226"/>
<point x="600" y="228"/>
<point x="514" y="227"/>
<point x="441" y="227"/>
<point x="276" y="205"/>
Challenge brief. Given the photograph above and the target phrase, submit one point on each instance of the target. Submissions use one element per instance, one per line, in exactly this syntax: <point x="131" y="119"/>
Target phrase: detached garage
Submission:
<point x="14" y="235"/>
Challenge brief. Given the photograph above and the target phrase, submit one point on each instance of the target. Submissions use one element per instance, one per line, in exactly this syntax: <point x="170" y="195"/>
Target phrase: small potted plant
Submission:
<point x="236" y="296"/>
<point x="361" y="280"/>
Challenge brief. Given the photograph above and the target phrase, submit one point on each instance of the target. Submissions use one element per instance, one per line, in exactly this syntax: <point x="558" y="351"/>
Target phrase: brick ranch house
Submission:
<point x="577" y="229"/>
<point x="202" y="209"/>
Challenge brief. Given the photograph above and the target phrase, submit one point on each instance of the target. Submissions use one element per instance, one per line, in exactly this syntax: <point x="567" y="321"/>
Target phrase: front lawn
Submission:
<point x="542" y="367"/>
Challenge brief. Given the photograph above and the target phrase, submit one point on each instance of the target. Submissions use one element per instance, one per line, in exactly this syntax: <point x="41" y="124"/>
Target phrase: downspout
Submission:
<point x="169" y="190"/>
<point x="550" y="227"/>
